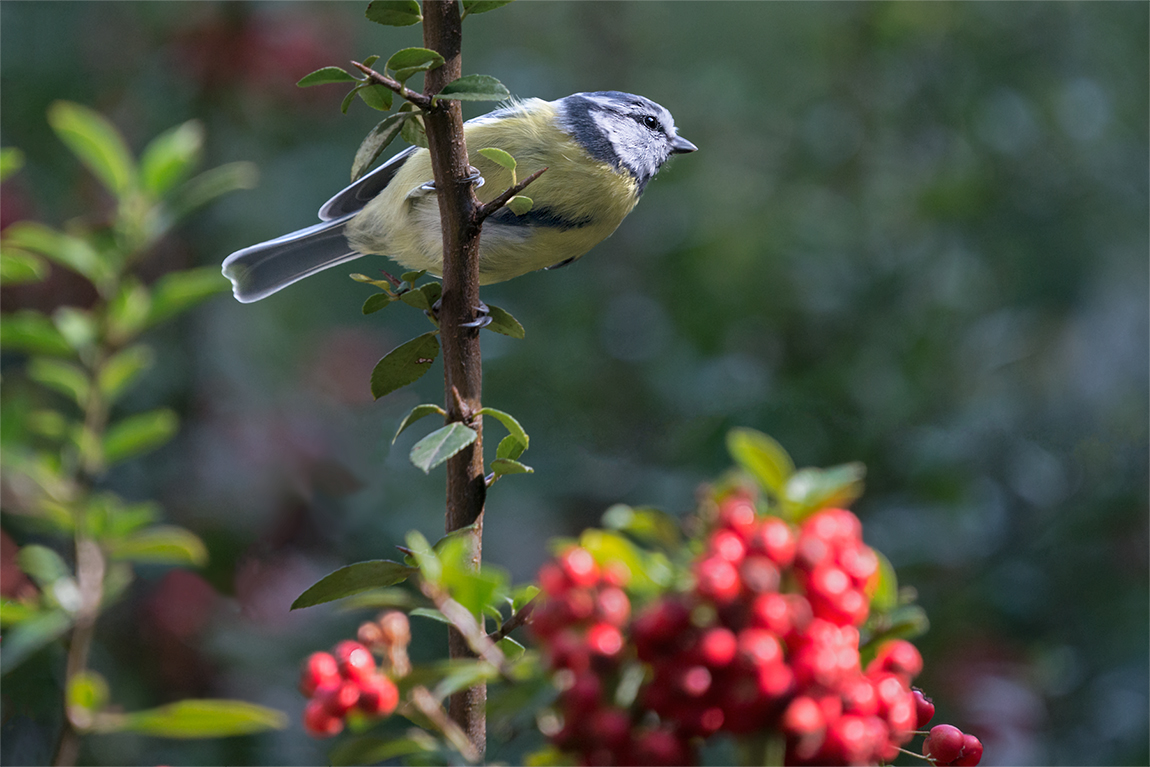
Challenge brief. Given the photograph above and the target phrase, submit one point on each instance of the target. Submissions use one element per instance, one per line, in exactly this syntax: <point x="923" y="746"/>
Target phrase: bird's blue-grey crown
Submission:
<point x="630" y="132"/>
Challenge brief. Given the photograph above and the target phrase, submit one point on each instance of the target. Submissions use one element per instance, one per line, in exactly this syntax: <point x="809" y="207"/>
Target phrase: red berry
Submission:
<point x="695" y="681"/>
<point x="924" y="709"/>
<point x="759" y="575"/>
<point x="379" y="697"/>
<point x="859" y="562"/>
<point x="613" y="606"/>
<point x="860" y="697"/>
<point x="971" y="751"/>
<point x="658" y="625"/>
<point x="728" y="545"/>
<point x="897" y="656"/>
<point x="354" y="660"/>
<point x="660" y="747"/>
<point x="604" y="639"/>
<point x="579" y="603"/>
<point x="775" y="538"/>
<point x="319" y="669"/>
<point x="944" y="744"/>
<point x="802" y="717"/>
<point x="568" y="650"/>
<point x="760" y="646"/>
<point x="717" y="647"/>
<point x="318" y="723"/>
<point x="850" y="739"/>
<point x="582" y="697"/>
<point x="579" y="566"/>
<point x="774" y="680"/>
<point x="338" y="699"/>
<point x="717" y="580"/>
<point x="553" y="580"/>
<point x="737" y="512"/>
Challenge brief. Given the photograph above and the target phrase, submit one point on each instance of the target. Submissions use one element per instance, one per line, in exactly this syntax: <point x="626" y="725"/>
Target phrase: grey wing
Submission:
<point x="352" y="198"/>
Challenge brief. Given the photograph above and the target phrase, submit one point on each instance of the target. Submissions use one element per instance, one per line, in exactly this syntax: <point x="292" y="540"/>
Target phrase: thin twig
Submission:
<point x="487" y="209"/>
<point x="521" y="616"/>
<point x="425" y="703"/>
<point x="462" y="619"/>
<point x="426" y="103"/>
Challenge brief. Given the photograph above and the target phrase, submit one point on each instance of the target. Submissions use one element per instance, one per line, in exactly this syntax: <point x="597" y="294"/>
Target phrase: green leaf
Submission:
<point x="520" y="204"/>
<point x="121" y="370"/>
<point x="464" y="674"/>
<point x="509" y="423"/>
<point x="177" y="292"/>
<point x="413" y="131"/>
<point x="503" y="466"/>
<point x="648" y="525"/>
<point x="11" y="160"/>
<point x="417" y="412"/>
<point x="376" y="302"/>
<point x="353" y="579"/>
<point x="78" y="326"/>
<point x="510" y="448"/>
<point x="378" y="140"/>
<point x="499" y="157"/>
<point x="32" y="332"/>
<point x="404" y="364"/>
<point x="207" y="186"/>
<point x="161" y="544"/>
<point x="511" y="649"/>
<point x="373" y="750"/>
<point x="42" y="564"/>
<point x="67" y="251"/>
<point x="324" y="76"/>
<point x="376" y="96"/>
<point x="471" y="7"/>
<point x="128" y="310"/>
<point x="63" y="377"/>
<point x="409" y="61"/>
<point x="13" y="612"/>
<point x="430" y="613"/>
<point x="432" y="291"/>
<point x="87" y="690"/>
<point x="97" y="144"/>
<point x="441" y="444"/>
<point x="30" y="635"/>
<point x="764" y="458"/>
<point x="424" y="556"/>
<point x="411" y="277"/>
<point x="885" y="597"/>
<point x="139" y="433"/>
<point x="474" y="88"/>
<point x="205" y="718"/>
<point x="394" y="13"/>
<point x="809" y="490"/>
<point x="19" y="266"/>
<point x="170" y="157"/>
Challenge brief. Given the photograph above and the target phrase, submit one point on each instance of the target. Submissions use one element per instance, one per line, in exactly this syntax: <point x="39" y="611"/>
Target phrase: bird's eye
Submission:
<point x="651" y="122"/>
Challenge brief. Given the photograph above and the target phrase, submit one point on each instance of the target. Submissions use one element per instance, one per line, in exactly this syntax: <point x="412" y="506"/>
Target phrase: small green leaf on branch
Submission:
<point x="325" y="76"/>
<point x="510" y="447"/>
<point x="376" y="301"/>
<point x="394" y="13"/>
<point x="353" y="579"/>
<point x="11" y="160"/>
<point x="375" y="142"/>
<point x="205" y="718"/>
<point x="417" y="412"/>
<point x="139" y="433"/>
<point x="405" y="63"/>
<point x="161" y="544"/>
<point x="474" y="88"/>
<point x="404" y="364"/>
<point x="97" y="143"/>
<point x="808" y="490"/>
<point x="471" y="7"/>
<point x="500" y="158"/>
<point x="441" y="444"/>
<point x="375" y="96"/>
<point x="509" y="423"/>
<point x="763" y="457"/>
<point x="520" y="204"/>
<point x="501" y="466"/>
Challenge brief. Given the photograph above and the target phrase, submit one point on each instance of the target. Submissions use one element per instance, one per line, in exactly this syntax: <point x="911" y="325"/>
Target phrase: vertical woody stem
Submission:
<point x="463" y="376"/>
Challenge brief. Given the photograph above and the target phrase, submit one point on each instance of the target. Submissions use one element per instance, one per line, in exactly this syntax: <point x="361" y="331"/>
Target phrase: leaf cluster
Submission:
<point x="65" y="427"/>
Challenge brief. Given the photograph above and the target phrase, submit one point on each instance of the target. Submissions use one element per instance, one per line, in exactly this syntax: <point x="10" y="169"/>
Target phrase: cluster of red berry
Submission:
<point x="347" y="678"/>
<point x="766" y="641"/>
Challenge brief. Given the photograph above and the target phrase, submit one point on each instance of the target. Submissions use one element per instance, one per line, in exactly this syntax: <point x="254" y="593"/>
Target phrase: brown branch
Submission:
<point x="489" y="208"/>
<point x="462" y="361"/>
<point x="521" y="616"/>
<point x="426" y="103"/>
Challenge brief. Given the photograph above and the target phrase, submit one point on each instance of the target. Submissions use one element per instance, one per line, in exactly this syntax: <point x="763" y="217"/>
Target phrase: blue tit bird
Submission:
<point x="600" y="150"/>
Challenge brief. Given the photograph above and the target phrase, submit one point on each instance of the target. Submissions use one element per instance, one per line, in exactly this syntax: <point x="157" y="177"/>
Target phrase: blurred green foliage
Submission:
<point x="915" y="235"/>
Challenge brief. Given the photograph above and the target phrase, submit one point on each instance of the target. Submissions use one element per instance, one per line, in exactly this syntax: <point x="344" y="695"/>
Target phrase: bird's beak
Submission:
<point x="680" y="145"/>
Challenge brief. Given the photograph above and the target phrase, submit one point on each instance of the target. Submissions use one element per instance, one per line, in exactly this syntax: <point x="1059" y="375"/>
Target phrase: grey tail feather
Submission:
<point x="261" y="270"/>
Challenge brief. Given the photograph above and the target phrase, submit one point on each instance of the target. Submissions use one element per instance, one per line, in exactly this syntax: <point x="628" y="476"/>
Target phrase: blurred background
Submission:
<point x="915" y="235"/>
